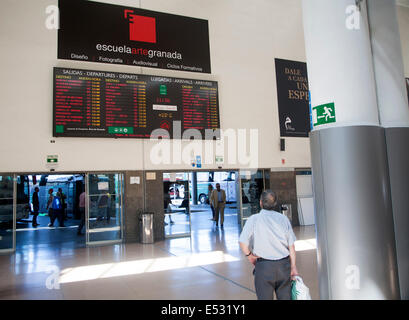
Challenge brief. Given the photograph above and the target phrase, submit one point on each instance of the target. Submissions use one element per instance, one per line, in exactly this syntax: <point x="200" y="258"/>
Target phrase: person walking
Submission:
<point x="267" y="240"/>
<point x="36" y="206"/>
<point x="218" y="201"/>
<point x="62" y="196"/>
<point x="167" y="206"/>
<point x="56" y="206"/>
<point x="49" y="207"/>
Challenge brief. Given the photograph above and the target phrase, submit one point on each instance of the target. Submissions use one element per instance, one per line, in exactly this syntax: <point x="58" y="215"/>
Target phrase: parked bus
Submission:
<point x="227" y="181"/>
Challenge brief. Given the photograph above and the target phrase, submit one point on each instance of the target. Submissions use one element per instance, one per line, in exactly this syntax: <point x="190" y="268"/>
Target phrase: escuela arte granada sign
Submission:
<point x="106" y="33"/>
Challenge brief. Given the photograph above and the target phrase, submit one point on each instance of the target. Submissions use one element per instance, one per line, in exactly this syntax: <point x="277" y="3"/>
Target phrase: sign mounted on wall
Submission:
<point x="323" y="114"/>
<point x="293" y="98"/>
<point x="106" y="33"/>
<point x="89" y="103"/>
<point x="52" y="159"/>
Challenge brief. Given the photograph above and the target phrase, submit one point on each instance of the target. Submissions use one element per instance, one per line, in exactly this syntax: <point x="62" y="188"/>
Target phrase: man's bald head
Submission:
<point x="268" y="200"/>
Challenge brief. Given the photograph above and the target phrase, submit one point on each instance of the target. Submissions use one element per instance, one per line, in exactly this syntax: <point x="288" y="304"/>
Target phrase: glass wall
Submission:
<point x="6" y="213"/>
<point x="176" y="205"/>
<point x="104" y="208"/>
<point x="252" y="184"/>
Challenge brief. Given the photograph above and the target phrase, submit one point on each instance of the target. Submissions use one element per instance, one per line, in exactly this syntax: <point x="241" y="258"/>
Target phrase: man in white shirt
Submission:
<point x="271" y="237"/>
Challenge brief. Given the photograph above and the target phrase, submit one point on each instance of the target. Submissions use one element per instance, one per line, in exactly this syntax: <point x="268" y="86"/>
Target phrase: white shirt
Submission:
<point x="271" y="234"/>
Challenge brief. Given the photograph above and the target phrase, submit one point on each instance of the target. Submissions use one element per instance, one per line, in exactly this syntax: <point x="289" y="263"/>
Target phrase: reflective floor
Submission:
<point x="207" y="265"/>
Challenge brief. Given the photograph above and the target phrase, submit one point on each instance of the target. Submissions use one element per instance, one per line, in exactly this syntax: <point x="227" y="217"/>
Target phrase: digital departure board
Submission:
<point x="91" y="103"/>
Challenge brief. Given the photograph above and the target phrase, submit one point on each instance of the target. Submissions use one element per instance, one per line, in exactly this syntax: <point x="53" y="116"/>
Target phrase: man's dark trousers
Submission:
<point x="57" y="214"/>
<point x="273" y="275"/>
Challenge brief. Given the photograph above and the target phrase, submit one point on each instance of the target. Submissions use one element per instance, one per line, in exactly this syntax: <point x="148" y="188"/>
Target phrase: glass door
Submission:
<point x="104" y="208"/>
<point x="252" y="184"/>
<point x="7" y="213"/>
<point x="176" y="198"/>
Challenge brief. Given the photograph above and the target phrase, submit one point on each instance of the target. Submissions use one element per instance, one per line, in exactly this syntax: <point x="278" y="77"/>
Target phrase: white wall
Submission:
<point x="245" y="37"/>
<point x="403" y="19"/>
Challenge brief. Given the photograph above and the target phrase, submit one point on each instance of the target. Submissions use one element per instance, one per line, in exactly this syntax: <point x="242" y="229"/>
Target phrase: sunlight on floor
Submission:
<point x="309" y="244"/>
<point x="109" y="270"/>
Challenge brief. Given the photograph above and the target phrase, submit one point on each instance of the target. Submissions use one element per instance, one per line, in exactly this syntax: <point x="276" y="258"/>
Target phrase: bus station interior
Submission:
<point x="190" y="256"/>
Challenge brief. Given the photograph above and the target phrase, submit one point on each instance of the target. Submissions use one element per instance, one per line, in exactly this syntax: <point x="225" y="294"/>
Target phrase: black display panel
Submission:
<point x="293" y="98"/>
<point x="107" y="33"/>
<point x="91" y="103"/>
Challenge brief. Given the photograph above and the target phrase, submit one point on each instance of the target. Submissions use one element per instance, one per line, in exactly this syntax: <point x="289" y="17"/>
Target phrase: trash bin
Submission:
<point x="146" y="225"/>
<point x="286" y="210"/>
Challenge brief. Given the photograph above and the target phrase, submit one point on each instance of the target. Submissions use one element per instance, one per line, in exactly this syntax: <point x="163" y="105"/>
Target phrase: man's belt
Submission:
<point x="262" y="259"/>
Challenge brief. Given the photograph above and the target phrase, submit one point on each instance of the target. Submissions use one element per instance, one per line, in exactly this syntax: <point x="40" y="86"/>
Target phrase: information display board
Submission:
<point x="91" y="103"/>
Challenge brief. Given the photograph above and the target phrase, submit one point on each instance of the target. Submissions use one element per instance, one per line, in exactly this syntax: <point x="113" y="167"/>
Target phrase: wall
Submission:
<point x="403" y="20"/>
<point x="244" y="41"/>
<point x="284" y="184"/>
<point x="133" y="206"/>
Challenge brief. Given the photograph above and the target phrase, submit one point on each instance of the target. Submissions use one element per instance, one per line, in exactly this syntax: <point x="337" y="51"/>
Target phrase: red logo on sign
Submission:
<point x="141" y="28"/>
<point x="165" y="125"/>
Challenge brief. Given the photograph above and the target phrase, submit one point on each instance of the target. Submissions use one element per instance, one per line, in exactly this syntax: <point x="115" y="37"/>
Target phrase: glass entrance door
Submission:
<point x="176" y="205"/>
<point x="7" y="213"/>
<point x="104" y="208"/>
<point x="252" y="184"/>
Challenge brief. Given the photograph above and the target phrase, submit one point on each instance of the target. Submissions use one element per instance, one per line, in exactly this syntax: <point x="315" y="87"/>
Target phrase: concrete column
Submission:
<point x="394" y="117"/>
<point x="355" y="231"/>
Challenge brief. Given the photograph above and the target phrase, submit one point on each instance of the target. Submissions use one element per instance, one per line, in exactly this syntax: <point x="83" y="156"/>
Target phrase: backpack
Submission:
<point x="56" y="205"/>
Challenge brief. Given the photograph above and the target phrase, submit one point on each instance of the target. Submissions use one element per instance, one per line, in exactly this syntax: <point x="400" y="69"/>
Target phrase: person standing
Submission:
<point x="56" y="206"/>
<point x="81" y="206"/>
<point x="167" y="206"/>
<point x="271" y="237"/>
<point x="49" y="207"/>
<point x="63" y="203"/>
<point x="36" y="206"/>
<point x="218" y="200"/>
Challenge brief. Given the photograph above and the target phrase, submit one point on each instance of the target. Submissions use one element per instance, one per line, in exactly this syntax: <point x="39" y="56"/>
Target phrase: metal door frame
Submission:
<point x="14" y="225"/>
<point x="263" y="171"/>
<point x="187" y="234"/>
<point x="89" y="243"/>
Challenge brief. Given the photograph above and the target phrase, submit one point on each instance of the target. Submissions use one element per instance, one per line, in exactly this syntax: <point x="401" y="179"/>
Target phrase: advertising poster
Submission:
<point x="105" y="33"/>
<point x="293" y="98"/>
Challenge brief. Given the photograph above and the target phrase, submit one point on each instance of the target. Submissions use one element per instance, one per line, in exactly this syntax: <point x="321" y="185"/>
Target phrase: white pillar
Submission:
<point x="388" y="64"/>
<point x="340" y="68"/>
<point x="355" y="231"/>
<point x="394" y="116"/>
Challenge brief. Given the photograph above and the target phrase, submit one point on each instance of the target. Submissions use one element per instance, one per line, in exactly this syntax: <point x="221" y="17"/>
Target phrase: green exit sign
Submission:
<point x="323" y="114"/>
<point x="52" y="159"/>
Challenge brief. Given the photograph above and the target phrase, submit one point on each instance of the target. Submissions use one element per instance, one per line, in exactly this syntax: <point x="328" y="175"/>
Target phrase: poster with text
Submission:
<point x="293" y="98"/>
<point x="106" y="33"/>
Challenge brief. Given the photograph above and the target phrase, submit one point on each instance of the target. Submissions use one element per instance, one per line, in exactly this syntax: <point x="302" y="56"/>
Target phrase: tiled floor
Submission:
<point x="207" y="265"/>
